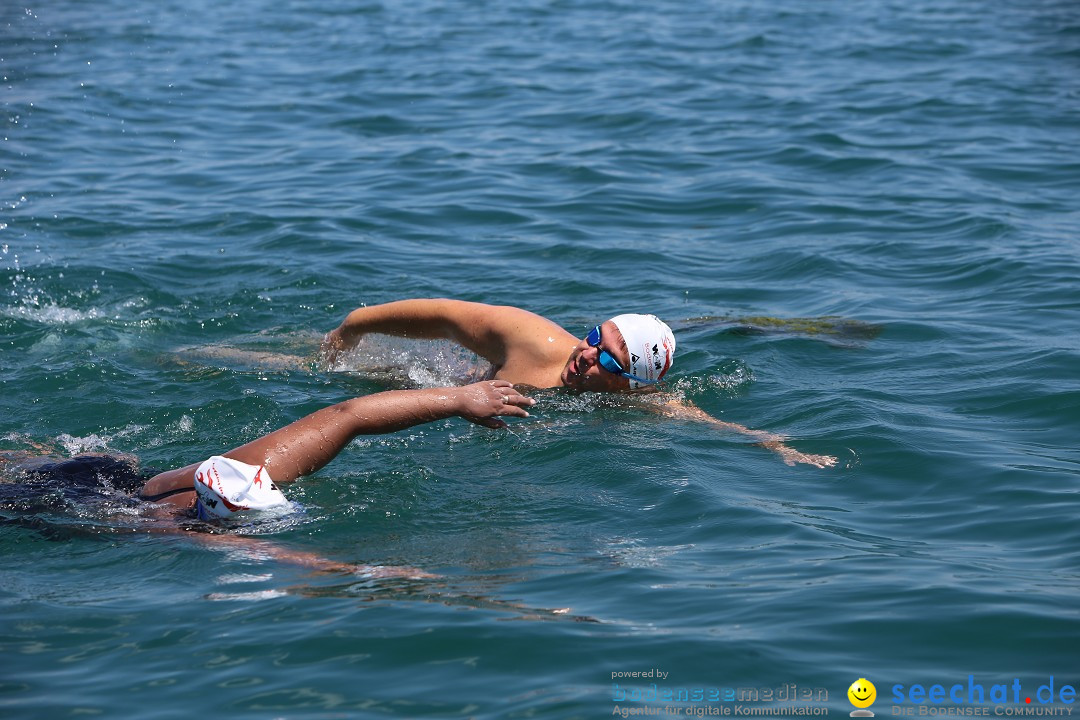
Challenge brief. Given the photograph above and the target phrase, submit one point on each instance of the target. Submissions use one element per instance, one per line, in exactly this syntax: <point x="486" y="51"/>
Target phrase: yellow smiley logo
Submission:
<point x="862" y="694"/>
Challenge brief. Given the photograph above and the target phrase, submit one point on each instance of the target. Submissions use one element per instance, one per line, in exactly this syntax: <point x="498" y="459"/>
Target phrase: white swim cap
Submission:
<point x="651" y="345"/>
<point x="225" y="486"/>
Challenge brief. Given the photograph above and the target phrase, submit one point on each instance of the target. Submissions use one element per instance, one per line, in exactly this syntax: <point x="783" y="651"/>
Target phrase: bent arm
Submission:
<point x="487" y="330"/>
<point x="772" y="441"/>
<point x="308" y="444"/>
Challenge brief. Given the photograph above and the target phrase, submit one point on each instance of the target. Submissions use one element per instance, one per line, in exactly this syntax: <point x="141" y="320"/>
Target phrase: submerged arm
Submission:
<point x="772" y="441"/>
<point x="262" y="550"/>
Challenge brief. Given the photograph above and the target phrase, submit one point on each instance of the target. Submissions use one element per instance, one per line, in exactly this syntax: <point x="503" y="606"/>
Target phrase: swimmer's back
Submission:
<point x="76" y="478"/>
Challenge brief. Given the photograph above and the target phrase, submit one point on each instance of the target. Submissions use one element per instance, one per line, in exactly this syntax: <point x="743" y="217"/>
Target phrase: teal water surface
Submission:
<point x="192" y="193"/>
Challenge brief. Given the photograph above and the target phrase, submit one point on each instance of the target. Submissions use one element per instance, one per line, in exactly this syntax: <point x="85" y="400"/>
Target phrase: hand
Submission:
<point x="791" y="456"/>
<point x="481" y="402"/>
<point x="332" y="345"/>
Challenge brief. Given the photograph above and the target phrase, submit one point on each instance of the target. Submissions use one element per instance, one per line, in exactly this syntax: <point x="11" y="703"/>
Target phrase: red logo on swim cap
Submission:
<point x="668" y="353"/>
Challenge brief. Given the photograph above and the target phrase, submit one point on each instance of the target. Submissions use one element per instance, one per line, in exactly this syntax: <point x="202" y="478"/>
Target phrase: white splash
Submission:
<point x="236" y="578"/>
<point x="78" y="445"/>
<point x="247" y="596"/>
<point x="417" y="363"/>
<point x="50" y="313"/>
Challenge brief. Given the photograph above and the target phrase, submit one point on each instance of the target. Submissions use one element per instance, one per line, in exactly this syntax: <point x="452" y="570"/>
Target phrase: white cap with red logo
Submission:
<point x="225" y="486"/>
<point x="651" y="345"/>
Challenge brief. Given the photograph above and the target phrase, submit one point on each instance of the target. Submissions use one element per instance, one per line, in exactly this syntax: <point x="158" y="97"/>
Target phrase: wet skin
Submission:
<point x="583" y="371"/>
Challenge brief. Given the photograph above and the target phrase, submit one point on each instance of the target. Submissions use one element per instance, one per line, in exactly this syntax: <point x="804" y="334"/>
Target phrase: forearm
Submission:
<point x="683" y="411"/>
<point x="304" y="446"/>
<point x="484" y="329"/>
<point x="418" y="318"/>
<point x="311" y="442"/>
<point x="765" y="439"/>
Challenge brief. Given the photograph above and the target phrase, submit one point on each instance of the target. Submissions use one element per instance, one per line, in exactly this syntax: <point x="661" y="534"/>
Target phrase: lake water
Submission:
<point x="191" y="193"/>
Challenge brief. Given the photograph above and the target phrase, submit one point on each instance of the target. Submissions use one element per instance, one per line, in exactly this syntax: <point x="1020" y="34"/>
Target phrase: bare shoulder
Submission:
<point x="490" y="314"/>
<point x="526" y="324"/>
<point x="503" y="330"/>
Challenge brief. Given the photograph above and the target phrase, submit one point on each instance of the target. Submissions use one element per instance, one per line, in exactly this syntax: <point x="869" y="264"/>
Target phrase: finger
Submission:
<point x="501" y="384"/>
<point x="513" y="410"/>
<point x="519" y="400"/>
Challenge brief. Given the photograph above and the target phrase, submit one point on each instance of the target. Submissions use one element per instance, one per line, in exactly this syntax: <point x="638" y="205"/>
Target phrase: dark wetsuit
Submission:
<point x="32" y="484"/>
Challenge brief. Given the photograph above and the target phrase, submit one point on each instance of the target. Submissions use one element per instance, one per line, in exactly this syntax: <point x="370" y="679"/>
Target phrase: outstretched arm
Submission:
<point x="311" y="442"/>
<point x="789" y="455"/>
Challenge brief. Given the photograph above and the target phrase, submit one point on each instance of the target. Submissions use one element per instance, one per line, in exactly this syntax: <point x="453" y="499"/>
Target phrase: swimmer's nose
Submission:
<point x="589" y="355"/>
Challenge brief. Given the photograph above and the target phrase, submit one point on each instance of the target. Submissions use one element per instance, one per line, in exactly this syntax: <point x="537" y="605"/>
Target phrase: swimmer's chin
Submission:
<point x="571" y="383"/>
<point x="570" y="377"/>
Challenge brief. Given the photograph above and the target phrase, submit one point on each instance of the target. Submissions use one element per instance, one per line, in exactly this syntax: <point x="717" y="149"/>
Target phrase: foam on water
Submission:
<point x="246" y="597"/>
<point x="49" y="313"/>
<point x="413" y="363"/>
<point x="98" y="441"/>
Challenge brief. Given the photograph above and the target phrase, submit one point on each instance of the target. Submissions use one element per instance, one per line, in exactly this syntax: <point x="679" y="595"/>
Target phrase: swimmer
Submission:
<point x="246" y="477"/>
<point x="525" y="348"/>
<point x="628" y="352"/>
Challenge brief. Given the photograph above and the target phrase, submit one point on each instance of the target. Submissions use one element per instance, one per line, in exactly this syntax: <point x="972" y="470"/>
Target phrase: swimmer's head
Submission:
<point x="651" y="345"/>
<point x="626" y="352"/>
<point x="224" y="487"/>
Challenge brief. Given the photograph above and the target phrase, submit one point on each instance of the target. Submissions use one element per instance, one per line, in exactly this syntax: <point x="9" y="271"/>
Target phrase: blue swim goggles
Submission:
<point x="608" y="361"/>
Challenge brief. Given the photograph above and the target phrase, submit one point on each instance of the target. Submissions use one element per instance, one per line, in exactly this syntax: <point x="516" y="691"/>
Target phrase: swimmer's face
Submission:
<point x="583" y="371"/>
